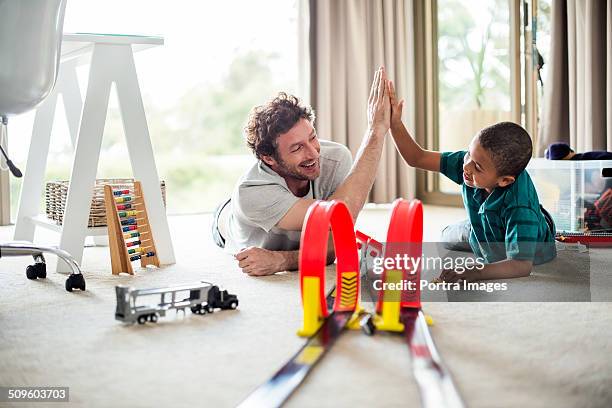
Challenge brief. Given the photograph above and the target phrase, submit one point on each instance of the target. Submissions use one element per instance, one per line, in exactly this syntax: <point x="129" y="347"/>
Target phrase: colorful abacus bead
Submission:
<point x="127" y="213"/>
<point x="124" y="207"/>
<point x="123" y="199"/>
<point x="129" y="221"/>
<point x="131" y="235"/>
<point x="137" y="257"/>
<point x="129" y="228"/>
<point x="135" y="250"/>
<point x="131" y="244"/>
<point x="121" y="192"/>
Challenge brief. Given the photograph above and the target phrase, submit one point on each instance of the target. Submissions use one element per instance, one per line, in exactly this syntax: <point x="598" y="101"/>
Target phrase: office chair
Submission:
<point x="30" y="48"/>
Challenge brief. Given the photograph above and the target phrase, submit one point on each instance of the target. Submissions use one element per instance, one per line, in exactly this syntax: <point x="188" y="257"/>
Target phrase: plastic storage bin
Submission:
<point x="576" y="193"/>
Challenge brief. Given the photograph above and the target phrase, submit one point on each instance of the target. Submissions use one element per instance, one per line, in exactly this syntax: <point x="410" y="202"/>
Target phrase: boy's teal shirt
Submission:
<point x="506" y="224"/>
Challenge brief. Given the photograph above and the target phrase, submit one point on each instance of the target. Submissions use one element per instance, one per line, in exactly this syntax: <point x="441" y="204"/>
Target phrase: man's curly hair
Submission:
<point x="267" y="122"/>
<point x="510" y="147"/>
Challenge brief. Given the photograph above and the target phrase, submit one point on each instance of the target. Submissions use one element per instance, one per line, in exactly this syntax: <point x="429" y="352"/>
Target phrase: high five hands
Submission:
<point x="384" y="109"/>
<point x="379" y="106"/>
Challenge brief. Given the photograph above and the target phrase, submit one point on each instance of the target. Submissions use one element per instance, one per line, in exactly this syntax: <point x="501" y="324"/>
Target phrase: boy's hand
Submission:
<point x="468" y="275"/>
<point x="396" y="107"/>
<point x="508" y="268"/>
<point x="379" y="108"/>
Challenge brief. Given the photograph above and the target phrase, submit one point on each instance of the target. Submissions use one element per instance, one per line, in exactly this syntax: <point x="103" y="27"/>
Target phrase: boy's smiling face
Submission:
<point x="479" y="169"/>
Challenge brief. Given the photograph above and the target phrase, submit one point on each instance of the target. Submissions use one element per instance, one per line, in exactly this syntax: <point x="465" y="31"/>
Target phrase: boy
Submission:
<point x="507" y="226"/>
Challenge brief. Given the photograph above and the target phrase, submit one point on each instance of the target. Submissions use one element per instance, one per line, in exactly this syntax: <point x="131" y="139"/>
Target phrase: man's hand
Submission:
<point x="260" y="262"/>
<point x="379" y="108"/>
<point x="396" y="107"/>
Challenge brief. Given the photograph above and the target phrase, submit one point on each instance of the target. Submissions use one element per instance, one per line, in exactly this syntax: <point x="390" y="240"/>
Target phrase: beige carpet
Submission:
<point x="500" y="354"/>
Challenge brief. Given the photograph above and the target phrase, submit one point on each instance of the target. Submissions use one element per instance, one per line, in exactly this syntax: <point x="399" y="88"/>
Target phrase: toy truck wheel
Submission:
<point x="233" y="304"/>
<point x="142" y="319"/>
<point x="196" y="309"/>
<point x="153" y="318"/>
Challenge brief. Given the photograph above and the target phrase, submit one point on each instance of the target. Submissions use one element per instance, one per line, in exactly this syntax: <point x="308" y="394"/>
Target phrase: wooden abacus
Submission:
<point x="129" y="232"/>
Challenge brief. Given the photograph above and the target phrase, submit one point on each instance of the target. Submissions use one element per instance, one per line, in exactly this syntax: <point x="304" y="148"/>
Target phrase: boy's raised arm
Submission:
<point x="410" y="150"/>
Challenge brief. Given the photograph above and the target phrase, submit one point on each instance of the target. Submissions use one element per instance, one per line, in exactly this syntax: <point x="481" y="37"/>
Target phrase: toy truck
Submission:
<point x="142" y="305"/>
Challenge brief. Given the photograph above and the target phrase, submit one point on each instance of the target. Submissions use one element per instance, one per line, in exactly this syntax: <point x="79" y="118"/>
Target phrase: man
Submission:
<point x="262" y="222"/>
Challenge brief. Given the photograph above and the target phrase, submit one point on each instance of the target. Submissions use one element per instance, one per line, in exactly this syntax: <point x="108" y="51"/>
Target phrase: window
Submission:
<point x="473" y="72"/>
<point x="477" y="71"/>
<point x="219" y="60"/>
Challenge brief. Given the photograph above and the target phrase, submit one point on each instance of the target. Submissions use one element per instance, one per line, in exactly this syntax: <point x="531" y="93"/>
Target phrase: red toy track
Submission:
<point x="405" y="236"/>
<point x="320" y="217"/>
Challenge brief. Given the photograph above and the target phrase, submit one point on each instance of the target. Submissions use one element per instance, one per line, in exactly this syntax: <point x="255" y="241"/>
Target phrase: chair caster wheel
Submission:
<point x="76" y="281"/>
<point x="38" y="270"/>
<point x="41" y="270"/>
<point x="31" y="272"/>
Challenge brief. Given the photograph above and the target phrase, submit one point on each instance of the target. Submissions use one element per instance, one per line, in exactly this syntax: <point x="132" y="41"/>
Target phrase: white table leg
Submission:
<point x="34" y="175"/>
<point x="141" y="154"/>
<point x="87" y="154"/>
<point x="73" y="103"/>
<point x="33" y="180"/>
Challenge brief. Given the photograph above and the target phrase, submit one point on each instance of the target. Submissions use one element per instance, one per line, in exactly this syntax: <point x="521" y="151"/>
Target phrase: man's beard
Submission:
<point x="285" y="170"/>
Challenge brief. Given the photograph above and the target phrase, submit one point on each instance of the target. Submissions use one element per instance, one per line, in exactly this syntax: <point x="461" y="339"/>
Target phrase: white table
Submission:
<point x="111" y="60"/>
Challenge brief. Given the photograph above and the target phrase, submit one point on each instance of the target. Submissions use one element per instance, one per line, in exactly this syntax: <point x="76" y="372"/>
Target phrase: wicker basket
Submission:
<point x="57" y="191"/>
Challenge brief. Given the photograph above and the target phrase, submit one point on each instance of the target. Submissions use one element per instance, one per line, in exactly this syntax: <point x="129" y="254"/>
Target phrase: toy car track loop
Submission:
<point x="321" y="325"/>
<point x="320" y="217"/>
<point x="404" y="236"/>
<point x="323" y="328"/>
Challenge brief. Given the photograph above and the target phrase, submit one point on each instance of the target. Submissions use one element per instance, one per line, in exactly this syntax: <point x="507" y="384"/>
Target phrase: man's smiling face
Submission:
<point x="297" y="153"/>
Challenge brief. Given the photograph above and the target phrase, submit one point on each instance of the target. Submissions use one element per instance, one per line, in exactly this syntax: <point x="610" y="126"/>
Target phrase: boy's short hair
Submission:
<point x="510" y="147"/>
<point x="267" y="122"/>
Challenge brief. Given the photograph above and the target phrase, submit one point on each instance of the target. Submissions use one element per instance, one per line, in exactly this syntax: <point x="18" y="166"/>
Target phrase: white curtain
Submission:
<point x="349" y="40"/>
<point x="577" y="106"/>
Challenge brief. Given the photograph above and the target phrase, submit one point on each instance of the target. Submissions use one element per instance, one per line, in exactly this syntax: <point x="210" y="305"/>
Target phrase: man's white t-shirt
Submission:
<point x="261" y="199"/>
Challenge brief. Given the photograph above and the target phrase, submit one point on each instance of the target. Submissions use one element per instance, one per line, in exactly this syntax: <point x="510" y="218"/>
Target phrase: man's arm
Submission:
<point x="410" y="150"/>
<point x="355" y="188"/>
